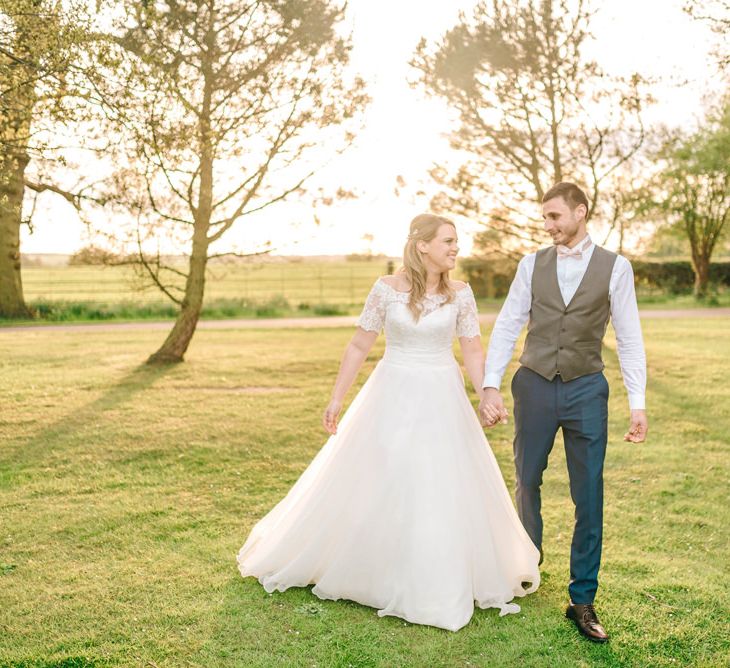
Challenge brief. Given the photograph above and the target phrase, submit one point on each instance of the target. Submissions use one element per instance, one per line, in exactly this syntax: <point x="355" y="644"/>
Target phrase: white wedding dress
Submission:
<point x="404" y="509"/>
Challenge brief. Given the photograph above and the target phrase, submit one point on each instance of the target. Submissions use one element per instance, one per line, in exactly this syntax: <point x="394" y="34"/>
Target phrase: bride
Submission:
<point x="404" y="509"/>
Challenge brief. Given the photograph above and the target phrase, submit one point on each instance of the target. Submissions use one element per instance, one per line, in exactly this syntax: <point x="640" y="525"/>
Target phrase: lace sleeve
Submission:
<point x="372" y="317"/>
<point x="467" y="320"/>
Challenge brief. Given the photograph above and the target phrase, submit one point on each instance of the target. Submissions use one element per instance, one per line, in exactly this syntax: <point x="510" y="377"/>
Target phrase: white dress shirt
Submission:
<point x="624" y="315"/>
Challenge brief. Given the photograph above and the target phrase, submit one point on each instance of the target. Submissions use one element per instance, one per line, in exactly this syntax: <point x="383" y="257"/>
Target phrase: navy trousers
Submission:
<point x="580" y="408"/>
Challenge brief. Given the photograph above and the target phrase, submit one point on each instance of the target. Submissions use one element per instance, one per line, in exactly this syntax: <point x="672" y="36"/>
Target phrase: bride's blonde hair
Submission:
<point x="424" y="227"/>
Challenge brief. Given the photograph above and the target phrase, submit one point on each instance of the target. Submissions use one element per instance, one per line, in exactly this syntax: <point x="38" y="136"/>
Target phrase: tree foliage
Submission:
<point x="692" y="188"/>
<point x="716" y="13"/>
<point x="532" y="111"/>
<point x="222" y="108"/>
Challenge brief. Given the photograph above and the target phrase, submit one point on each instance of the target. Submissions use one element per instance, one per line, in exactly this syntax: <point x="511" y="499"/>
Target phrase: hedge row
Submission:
<point x="488" y="277"/>
<point x="676" y="277"/>
<point x="492" y="277"/>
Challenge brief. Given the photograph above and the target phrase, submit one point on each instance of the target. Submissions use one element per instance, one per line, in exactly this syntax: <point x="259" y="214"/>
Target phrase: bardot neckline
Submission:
<point x="428" y="294"/>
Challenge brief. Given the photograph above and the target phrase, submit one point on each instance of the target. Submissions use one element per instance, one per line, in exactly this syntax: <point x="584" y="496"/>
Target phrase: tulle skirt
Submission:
<point x="404" y="509"/>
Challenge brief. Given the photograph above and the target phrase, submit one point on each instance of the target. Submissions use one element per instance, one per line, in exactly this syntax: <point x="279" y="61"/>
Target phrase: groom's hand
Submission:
<point x="638" y="428"/>
<point x="491" y="408"/>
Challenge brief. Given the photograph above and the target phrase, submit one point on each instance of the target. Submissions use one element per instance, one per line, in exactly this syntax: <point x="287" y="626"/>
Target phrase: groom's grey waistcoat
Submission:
<point x="567" y="339"/>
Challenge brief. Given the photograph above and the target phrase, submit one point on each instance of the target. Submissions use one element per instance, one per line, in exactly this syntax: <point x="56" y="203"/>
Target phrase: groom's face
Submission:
<point x="565" y="225"/>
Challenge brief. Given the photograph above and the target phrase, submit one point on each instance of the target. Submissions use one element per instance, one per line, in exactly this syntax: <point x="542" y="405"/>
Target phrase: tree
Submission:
<point x="94" y="256"/>
<point x="693" y="188"/>
<point x="221" y="108"/>
<point x="716" y="13"/>
<point x="532" y="111"/>
<point x="39" y="42"/>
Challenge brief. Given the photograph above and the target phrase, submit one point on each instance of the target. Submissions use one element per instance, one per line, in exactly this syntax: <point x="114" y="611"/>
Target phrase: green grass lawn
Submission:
<point x="126" y="491"/>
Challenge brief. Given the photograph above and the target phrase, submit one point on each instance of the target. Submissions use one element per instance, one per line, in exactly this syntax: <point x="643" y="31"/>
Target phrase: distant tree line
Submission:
<point x="491" y="276"/>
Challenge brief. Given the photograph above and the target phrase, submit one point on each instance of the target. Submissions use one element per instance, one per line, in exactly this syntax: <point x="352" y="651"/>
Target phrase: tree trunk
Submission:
<point x="176" y="344"/>
<point x="17" y="77"/>
<point x="12" y="188"/>
<point x="701" y="266"/>
<point x="174" y="347"/>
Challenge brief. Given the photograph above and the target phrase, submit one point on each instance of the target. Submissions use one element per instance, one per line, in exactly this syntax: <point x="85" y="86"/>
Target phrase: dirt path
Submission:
<point x="307" y="323"/>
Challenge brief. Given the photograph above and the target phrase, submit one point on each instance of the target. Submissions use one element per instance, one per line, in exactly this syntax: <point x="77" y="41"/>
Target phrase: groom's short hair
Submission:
<point x="570" y="192"/>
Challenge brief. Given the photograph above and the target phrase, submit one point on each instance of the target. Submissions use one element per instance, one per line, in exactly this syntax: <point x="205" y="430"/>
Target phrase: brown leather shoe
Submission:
<point x="585" y="618"/>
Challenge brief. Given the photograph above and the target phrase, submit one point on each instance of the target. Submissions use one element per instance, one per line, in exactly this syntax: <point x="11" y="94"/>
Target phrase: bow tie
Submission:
<point x="577" y="252"/>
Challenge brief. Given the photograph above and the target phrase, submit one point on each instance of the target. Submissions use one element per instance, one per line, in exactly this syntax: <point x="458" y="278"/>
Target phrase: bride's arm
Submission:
<point x="473" y="354"/>
<point x="355" y="353"/>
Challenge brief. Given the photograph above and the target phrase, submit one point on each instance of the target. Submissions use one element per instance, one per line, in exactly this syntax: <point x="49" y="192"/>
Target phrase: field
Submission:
<point x="126" y="491"/>
<point x="271" y="288"/>
<point x="306" y="281"/>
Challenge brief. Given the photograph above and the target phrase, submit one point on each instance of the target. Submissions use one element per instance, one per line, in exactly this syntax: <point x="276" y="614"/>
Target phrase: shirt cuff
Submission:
<point x="492" y="380"/>
<point x="637" y="402"/>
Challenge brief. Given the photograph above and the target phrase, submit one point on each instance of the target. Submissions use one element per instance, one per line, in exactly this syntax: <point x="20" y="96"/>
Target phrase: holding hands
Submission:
<point x="491" y="408"/>
<point x="492" y="412"/>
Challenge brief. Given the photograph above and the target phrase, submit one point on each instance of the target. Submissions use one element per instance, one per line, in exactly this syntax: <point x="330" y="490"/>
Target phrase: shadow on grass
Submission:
<point x="67" y="662"/>
<point x="54" y="434"/>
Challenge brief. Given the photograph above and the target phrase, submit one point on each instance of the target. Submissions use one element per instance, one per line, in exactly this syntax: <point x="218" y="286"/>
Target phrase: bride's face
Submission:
<point x="440" y="253"/>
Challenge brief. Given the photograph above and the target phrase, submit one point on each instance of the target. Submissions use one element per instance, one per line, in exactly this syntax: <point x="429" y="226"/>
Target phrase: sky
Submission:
<point x="404" y="132"/>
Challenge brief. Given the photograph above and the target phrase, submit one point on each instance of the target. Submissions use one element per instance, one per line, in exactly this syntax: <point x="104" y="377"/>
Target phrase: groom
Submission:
<point x="566" y="294"/>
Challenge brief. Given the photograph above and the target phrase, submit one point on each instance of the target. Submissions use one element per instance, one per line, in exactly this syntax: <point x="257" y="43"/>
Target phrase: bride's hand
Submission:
<point x="329" y="419"/>
<point x="491" y="408"/>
